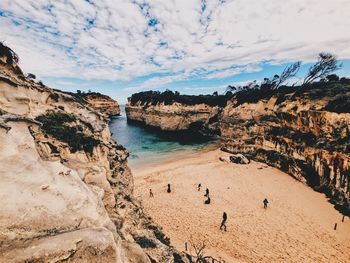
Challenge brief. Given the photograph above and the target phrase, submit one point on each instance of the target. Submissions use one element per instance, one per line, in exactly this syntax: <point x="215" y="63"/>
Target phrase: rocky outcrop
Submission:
<point x="100" y="102"/>
<point x="66" y="189"/>
<point x="302" y="130"/>
<point x="297" y="132"/>
<point x="176" y="116"/>
<point x="171" y="111"/>
<point x="235" y="158"/>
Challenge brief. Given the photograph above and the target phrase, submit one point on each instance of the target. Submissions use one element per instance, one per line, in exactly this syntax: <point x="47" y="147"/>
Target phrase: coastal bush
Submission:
<point x="59" y="125"/>
<point x="177" y="258"/>
<point x="94" y="95"/>
<point x="54" y="96"/>
<point x="168" y="97"/>
<point x="326" y="64"/>
<point x="9" y="54"/>
<point x="30" y="76"/>
<point x="310" y="91"/>
<point x="327" y="84"/>
<point x="320" y="89"/>
<point x="145" y="242"/>
<point x="160" y="235"/>
<point x="250" y="93"/>
<point x="276" y="81"/>
<point x="344" y="80"/>
<point x="332" y="77"/>
<point x="128" y="198"/>
<point x="340" y="104"/>
<point x="255" y="94"/>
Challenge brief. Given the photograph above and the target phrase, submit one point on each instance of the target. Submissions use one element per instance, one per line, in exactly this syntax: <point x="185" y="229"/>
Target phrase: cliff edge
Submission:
<point x="304" y="131"/>
<point x="171" y="111"/>
<point x="100" y="102"/>
<point x="66" y="189"/>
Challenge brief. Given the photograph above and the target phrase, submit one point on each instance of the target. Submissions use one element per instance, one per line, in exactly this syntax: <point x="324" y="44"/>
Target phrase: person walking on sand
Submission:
<point x="169" y="189"/>
<point x="150" y="193"/>
<point x="265" y="203"/>
<point x="206" y="192"/>
<point x="199" y="187"/>
<point x="207" y="202"/>
<point x="223" y="222"/>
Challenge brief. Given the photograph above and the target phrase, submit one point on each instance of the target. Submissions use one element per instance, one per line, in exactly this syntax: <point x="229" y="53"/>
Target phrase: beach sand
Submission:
<point x="296" y="227"/>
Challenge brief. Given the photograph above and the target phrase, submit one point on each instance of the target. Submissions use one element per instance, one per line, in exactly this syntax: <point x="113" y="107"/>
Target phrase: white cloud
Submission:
<point x="233" y="71"/>
<point x="120" y="40"/>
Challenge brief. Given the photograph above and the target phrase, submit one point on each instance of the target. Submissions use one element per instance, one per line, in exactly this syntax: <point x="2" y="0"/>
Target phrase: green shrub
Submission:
<point x="94" y="95"/>
<point x="168" y="97"/>
<point x="160" y="235"/>
<point x="339" y="105"/>
<point x="145" y="242"/>
<point x="11" y="56"/>
<point x="57" y="125"/>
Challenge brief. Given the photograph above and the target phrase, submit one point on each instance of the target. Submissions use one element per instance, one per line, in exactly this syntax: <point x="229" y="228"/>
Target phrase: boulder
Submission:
<point x="239" y="158"/>
<point x="235" y="158"/>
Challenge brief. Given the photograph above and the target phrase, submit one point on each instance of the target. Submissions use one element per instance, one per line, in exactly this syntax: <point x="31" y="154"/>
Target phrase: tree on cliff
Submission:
<point x="11" y="58"/>
<point x="288" y="72"/>
<point x="30" y="76"/>
<point x="326" y="64"/>
<point x="230" y="89"/>
<point x="332" y="77"/>
<point x="7" y="52"/>
<point x="277" y="80"/>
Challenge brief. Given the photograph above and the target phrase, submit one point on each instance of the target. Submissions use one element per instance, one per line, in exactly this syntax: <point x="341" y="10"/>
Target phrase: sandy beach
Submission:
<point x="298" y="225"/>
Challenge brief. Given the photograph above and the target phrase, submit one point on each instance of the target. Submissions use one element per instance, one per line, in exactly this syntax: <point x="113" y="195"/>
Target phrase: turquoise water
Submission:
<point x="153" y="146"/>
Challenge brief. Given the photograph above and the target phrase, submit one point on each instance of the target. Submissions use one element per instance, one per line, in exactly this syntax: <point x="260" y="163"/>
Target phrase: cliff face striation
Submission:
<point x="100" y="102"/>
<point x="66" y="189"/>
<point x="175" y="117"/>
<point x="170" y="111"/>
<point x="303" y="131"/>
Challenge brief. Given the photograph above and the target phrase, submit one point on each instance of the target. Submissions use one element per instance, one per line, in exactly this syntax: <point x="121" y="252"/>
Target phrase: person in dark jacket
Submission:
<point x="223" y="222"/>
<point x="265" y="203"/>
<point x="207" y="202"/>
<point x="169" y="189"/>
<point x="206" y="192"/>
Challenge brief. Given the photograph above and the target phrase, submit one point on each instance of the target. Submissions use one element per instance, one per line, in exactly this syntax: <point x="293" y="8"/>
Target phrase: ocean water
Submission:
<point x="151" y="146"/>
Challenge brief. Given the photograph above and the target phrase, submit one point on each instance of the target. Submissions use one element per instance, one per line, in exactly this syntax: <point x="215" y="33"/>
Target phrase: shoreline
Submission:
<point x="170" y="157"/>
<point x="297" y="226"/>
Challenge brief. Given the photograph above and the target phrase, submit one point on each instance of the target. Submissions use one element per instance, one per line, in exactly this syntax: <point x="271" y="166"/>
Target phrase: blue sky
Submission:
<point x="194" y="46"/>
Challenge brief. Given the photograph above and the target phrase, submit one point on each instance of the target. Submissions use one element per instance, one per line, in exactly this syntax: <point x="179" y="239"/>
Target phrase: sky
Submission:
<point x="119" y="47"/>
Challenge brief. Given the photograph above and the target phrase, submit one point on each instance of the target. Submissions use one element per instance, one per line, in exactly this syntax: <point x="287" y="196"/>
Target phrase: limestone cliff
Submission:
<point x="175" y="117"/>
<point x="100" y="102"/>
<point x="304" y="131"/>
<point x="66" y="189"/>
<point x="301" y="130"/>
<point x="170" y="111"/>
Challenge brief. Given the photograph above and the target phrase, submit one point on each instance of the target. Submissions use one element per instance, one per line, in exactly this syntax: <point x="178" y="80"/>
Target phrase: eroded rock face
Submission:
<point x="293" y="132"/>
<point x="63" y="200"/>
<point x="83" y="245"/>
<point x="102" y="103"/>
<point x="304" y="131"/>
<point x="176" y="117"/>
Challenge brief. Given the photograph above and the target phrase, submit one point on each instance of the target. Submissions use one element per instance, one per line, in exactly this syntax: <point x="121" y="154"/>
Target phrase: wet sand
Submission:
<point x="296" y="227"/>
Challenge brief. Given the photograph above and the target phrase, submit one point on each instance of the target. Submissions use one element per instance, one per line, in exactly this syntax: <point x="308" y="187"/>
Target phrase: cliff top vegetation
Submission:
<point x="92" y="94"/>
<point x="168" y="97"/>
<point x="62" y="127"/>
<point x="9" y="54"/>
<point x="319" y="82"/>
